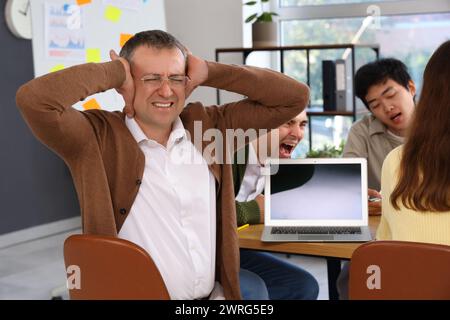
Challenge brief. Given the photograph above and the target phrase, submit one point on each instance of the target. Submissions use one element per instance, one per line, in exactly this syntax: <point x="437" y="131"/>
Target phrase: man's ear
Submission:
<point x="132" y="69"/>
<point x="412" y="87"/>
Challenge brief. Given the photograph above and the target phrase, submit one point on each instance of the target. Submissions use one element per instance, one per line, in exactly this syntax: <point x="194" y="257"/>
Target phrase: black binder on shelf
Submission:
<point x="334" y="80"/>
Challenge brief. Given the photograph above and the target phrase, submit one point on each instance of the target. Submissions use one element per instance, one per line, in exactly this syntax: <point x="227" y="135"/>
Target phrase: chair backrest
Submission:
<point x="400" y="270"/>
<point x="110" y="268"/>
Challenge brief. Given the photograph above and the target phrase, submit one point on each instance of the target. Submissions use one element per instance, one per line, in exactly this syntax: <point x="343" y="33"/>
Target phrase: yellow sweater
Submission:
<point x="406" y="224"/>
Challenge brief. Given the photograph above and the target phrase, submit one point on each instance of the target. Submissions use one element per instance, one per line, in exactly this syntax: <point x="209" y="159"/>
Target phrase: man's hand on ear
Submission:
<point x="127" y="89"/>
<point x="197" y="72"/>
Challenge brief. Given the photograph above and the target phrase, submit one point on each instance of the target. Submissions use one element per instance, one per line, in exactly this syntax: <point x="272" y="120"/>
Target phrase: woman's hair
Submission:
<point x="424" y="176"/>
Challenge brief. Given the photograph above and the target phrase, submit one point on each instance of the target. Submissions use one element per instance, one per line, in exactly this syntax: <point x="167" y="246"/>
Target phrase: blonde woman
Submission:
<point x="415" y="180"/>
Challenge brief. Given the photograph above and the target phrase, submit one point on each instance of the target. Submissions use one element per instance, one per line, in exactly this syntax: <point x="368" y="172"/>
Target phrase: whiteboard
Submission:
<point x="98" y="34"/>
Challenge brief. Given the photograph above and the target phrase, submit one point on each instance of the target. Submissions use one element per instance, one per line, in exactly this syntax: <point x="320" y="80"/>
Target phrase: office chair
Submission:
<point x="400" y="270"/>
<point x="101" y="267"/>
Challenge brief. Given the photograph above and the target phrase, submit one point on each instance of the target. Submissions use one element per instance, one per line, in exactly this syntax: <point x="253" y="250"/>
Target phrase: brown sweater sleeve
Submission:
<point x="272" y="97"/>
<point x="45" y="103"/>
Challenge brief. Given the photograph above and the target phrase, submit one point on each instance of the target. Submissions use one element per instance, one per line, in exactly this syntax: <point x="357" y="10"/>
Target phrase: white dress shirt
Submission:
<point x="253" y="181"/>
<point x="174" y="214"/>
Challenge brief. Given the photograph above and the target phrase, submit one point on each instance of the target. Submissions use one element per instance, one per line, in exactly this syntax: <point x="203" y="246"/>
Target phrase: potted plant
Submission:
<point x="327" y="151"/>
<point x="264" y="29"/>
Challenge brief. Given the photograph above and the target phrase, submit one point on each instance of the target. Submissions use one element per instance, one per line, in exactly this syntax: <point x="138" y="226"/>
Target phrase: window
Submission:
<point x="291" y="3"/>
<point x="408" y="30"/>
<point x="410" y="38"/>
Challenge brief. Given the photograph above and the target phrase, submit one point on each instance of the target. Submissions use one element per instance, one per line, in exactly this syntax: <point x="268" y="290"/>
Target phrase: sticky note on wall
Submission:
<point x="57" y="67"/>
<point x="93" y="55"/>
<point x="81" y="2"/>
<point x="113" y="13"/>
<point x="124" y="37"/>
<point x="91" y="104"/>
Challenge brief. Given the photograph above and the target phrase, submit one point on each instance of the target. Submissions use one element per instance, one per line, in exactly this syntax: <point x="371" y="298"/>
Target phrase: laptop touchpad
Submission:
<point x="315" y="237"/>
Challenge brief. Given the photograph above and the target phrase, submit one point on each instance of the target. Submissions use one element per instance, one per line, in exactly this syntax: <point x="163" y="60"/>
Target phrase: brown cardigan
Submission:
<point x="107" y="164"/>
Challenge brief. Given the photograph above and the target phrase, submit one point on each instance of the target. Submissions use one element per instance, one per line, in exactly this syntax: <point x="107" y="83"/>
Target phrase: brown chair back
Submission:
<point x="111" y="268"/>
<point x="400" y="270"/>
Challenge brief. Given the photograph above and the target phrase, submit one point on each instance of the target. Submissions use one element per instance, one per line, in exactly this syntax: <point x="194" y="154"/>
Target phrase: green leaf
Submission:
<point x="265" y="1"/>
<point x="250" y="3"/>
<point x="273" y="13"/>
<point x="264" y="17"/>
<point x="327" y="152"/>
<point x="250" y="18"/>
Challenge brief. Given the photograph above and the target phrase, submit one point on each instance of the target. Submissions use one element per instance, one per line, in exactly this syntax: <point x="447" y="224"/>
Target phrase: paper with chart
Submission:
<point x="64" y="31"/>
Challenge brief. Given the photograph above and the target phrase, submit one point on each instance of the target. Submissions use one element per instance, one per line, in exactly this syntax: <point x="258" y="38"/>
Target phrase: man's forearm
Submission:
<point x="268" y="87"/>
<point x="272" y="98"/>
<point x="59" y="90"/>
<point x="45" y="103"/>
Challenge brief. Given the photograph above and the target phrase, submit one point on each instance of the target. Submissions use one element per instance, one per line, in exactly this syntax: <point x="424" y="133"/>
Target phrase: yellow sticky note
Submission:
<point x="81" y="2"/>
<point x="112" y="13"/>
<point x="124" y="37"/>
<point x="57" y="67"/>
<point x="91" y="104"/>
<point x="93" y="55"/>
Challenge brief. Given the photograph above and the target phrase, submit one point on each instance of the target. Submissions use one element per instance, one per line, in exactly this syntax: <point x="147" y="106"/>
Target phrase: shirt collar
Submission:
<point x="177" y="134"/>
<point x="376" y="126"/>
<point x="135" y="130"/>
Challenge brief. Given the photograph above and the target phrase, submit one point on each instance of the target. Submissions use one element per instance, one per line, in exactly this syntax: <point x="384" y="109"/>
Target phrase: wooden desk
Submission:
<point x="250" y="238"/>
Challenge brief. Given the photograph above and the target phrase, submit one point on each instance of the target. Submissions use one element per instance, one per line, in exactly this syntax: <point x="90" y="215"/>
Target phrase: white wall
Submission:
<point x="203" y="26"/>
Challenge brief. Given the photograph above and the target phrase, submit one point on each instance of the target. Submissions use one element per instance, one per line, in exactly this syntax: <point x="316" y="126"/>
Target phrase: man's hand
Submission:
<point x="374" y="206"/>
<point x="127" y="89"/>
<point x="373" y="193"/>
<point x="260" y="201"/>
<point x="197" y="73"/>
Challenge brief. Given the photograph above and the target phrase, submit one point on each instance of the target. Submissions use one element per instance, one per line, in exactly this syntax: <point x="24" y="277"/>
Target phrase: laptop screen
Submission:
<point x="317" y="192"/>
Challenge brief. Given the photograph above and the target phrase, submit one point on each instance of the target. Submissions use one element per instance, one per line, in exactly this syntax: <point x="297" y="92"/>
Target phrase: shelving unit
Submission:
<point x="307" y="49"/>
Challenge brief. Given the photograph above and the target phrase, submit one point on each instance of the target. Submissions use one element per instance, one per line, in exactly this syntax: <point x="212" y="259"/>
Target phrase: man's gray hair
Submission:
<point x="153" y="39"/>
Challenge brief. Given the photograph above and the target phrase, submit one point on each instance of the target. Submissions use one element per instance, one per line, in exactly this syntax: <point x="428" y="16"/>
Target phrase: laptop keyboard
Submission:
<point x="316" y="230"/>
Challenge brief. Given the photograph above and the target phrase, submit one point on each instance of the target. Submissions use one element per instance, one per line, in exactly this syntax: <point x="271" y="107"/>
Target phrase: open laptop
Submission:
<point x="316" y="200"/>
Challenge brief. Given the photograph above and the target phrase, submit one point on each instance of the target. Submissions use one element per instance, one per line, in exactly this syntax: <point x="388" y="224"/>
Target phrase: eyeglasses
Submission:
<point x="156" y="81"/>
